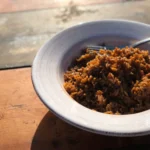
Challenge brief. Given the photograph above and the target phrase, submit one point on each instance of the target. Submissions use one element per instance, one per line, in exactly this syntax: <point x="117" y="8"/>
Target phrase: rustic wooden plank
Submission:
<point x="19" y="5"/>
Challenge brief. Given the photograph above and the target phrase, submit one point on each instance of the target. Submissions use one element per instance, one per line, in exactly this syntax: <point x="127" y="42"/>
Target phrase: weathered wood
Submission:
<point x="19" y="5"/>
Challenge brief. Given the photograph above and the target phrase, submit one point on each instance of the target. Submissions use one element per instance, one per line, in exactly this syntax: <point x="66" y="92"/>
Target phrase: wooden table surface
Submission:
<point x="26" y="124"/>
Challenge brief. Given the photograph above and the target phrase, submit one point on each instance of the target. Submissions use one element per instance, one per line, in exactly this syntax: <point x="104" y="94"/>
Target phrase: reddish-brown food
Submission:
<point x="111" y="81"/>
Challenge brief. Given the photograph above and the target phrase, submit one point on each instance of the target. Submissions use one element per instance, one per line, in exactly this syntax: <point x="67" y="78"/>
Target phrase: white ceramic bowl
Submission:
<point x="53" y="59"/>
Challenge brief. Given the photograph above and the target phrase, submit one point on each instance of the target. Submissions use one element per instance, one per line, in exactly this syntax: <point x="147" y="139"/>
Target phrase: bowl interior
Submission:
<point x="76" y="49"/>
<point x="109" y="40"/>
<point x="57" y="54"/>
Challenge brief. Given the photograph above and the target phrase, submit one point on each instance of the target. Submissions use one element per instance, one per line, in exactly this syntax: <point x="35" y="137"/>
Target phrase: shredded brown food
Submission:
<point x="111" y="81"/>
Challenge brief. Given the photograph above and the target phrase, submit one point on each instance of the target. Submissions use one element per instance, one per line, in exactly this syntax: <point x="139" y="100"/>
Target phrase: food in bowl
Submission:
<point x="111" y="81"/>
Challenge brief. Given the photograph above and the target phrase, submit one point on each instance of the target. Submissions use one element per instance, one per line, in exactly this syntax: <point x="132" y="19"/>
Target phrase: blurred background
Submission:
<point x="25" y="25"/>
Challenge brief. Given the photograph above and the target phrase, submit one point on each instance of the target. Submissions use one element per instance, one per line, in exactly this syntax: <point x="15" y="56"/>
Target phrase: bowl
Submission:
<point x="56" y="55"/>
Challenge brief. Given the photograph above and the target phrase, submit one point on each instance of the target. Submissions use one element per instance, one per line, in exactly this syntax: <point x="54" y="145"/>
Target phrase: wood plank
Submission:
<point x="20" y="110"/>
<point x="26" y="124"/>
<point x="19" y="5"/>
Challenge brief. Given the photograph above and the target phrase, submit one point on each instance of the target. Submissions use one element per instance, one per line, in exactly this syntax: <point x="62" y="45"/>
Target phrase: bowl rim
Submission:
<point x="67" y="119"/>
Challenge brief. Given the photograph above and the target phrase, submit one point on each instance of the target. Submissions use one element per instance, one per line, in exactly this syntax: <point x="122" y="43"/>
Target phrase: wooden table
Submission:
<point x="26" y="124"/>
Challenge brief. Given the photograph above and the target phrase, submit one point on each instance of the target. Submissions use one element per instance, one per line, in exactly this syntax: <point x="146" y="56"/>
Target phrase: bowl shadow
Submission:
<point x="53" y="133"/>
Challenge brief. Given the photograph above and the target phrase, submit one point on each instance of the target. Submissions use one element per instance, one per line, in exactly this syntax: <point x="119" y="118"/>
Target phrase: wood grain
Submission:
<point x="26" y="124"/>
<point x="20" y="110"/>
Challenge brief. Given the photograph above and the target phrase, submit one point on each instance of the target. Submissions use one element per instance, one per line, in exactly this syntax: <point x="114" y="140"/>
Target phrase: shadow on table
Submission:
<point x="53" y="133"/>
